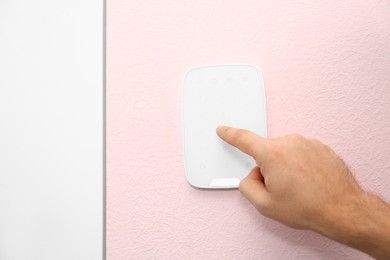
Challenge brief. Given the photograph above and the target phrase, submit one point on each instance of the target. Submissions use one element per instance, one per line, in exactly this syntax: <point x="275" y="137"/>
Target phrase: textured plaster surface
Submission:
<point x="326" y="66"/>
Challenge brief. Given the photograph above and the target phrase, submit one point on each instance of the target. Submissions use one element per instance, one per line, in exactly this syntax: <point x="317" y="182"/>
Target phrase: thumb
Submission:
<point x="253" y="188"/>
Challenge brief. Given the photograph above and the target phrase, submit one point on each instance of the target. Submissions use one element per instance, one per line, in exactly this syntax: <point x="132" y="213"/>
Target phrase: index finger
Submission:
<point x="245" y="140"/>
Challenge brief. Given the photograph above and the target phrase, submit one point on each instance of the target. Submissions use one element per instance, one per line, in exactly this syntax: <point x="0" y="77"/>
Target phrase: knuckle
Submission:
<point x="316" y="141"/>
<point x="295" y="137"/>
<point x="238" y="134"/>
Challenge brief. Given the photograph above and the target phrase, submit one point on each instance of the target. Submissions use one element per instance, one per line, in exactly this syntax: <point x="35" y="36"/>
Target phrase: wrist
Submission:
<point x="363" y="223"/>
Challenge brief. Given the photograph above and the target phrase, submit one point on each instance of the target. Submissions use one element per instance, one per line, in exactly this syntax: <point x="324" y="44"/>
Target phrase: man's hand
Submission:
<point x="302" y="183"/>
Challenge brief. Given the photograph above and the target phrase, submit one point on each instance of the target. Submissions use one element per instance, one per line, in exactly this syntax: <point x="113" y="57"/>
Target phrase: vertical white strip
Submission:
<point x="51" y="129"/>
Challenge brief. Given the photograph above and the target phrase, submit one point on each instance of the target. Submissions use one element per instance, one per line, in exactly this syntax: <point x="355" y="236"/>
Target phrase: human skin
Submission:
<point x="303" y="184"/>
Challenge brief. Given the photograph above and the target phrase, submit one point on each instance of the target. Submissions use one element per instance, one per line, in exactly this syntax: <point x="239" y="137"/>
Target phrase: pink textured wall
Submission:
<point x="326" y="66"/>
